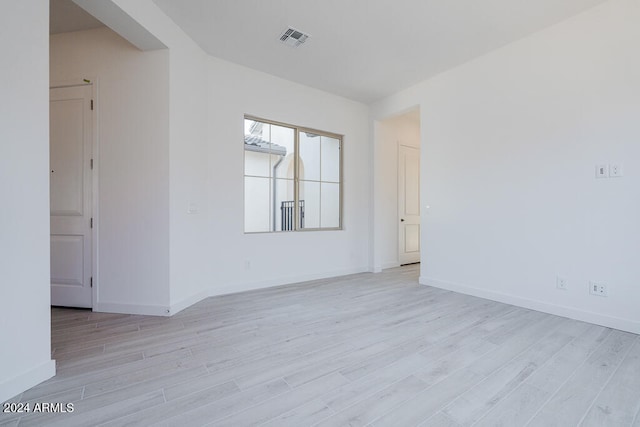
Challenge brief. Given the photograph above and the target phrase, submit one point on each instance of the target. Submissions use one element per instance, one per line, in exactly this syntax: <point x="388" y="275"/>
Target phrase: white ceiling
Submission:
<point x="65" y="16"/>
<point x="359" y="49"/>
<point x="362" y="49"/>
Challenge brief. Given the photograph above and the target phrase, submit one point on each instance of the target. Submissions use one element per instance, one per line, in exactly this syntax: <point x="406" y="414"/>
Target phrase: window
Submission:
<point x="292" y="178"/>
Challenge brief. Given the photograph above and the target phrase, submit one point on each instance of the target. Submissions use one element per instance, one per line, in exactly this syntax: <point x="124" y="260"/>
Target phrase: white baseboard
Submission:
<point x="250" y="286"/>
<point x="545" y="307"/>
<point x="384" y="266"/>
<point x="145" y="310"/>
<point x="232" y="289"/>
<point x="390" y="265"/>
<point x="16" y="385"/>
<point x="156" y="310"/>
<point x="188" y="302"/>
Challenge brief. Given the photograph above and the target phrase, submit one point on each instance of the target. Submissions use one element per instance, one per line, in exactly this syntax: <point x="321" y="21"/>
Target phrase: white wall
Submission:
<point x="189" y="269"/>
<point x="132" y="164"/>
<point x="25" y="358"/>
<point x="509" y="147"/>
<point x="242" y="261"/>
<point x="388" y="136"/>
<point x="208" y="251"/>
<point x="210" y="254"/>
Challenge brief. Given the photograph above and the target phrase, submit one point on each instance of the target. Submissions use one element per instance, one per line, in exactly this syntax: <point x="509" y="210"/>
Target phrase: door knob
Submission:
<point x="401" y="219"/>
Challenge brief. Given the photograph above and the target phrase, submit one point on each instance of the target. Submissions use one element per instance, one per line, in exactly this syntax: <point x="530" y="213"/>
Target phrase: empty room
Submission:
<point x="320" y="213"/>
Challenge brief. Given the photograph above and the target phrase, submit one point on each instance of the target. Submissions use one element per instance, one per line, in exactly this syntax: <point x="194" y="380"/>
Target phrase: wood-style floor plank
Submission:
<point x="473" y="404"/>
<point x="365" y="349"/>
<point x="286" y="402"/>
<point x="453" y="377"/>
<point x="619" y="401"/>
<point x="529" y="397"/>
<point x="569" y="404"/>
<point x="307" y="414"/>
<point x="372" y="407"/>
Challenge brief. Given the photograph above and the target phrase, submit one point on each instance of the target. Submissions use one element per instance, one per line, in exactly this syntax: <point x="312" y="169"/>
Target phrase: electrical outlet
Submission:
<point x="615" y="170"/>
<point x="561" y="283"/>
<point x="598" y="289"/>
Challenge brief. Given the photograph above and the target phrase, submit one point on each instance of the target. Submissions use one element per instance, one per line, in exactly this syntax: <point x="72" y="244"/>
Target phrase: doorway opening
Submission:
<point x="398" y="228"/>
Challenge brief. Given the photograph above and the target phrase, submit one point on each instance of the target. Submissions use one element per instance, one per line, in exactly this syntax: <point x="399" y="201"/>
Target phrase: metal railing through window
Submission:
<point x="288" y="214"/>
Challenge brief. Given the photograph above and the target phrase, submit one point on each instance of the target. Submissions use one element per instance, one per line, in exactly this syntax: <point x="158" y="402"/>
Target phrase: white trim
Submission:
<point x="16" y="385"/>
<point x="386" y="265"/>
<point x="145" y="310"/>
<point x="71" y="83"/>
<point x="250" y="286"/>
<point x="627" y="325"/>
<point x="393" y="264"/>
<point x="95" y="177"/>
<point x="157" y="310"/>
<point x="188" y="302"/>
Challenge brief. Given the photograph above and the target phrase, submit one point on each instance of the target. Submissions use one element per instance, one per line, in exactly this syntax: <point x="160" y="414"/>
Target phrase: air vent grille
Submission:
<point x="293" y="37"/>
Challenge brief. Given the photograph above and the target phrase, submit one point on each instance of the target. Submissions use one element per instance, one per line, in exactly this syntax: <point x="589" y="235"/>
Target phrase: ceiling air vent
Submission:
<point x="293" y="37"/>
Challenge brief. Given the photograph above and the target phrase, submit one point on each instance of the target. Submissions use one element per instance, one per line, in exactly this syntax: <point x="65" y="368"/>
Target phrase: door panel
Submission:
<point x="70" y="196"/>
<point x="412" y="238"/>
<point x="66" y="251"/>
<point x="409" y="204"/>
<point x="411" y="181"/>
<point x="67" y="157"/>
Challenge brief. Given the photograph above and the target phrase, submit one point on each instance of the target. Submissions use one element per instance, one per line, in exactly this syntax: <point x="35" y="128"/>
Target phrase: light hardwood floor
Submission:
<point x="361" y="350"/>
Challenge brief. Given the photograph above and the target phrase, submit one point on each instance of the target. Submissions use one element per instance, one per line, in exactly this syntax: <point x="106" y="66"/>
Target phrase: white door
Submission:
<point x="409" y="204"/>
<point x="70" y="118"/>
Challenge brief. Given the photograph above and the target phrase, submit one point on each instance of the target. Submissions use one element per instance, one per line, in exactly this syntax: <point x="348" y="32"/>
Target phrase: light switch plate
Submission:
<point x="602" y="171"/>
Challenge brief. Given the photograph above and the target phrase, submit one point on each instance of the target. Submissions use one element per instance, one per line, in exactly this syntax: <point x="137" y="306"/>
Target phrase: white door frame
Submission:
<point x="93" y="82"/>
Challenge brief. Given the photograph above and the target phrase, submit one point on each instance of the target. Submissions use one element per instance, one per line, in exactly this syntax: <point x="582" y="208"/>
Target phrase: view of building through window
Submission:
<point x="292" y="178"/>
